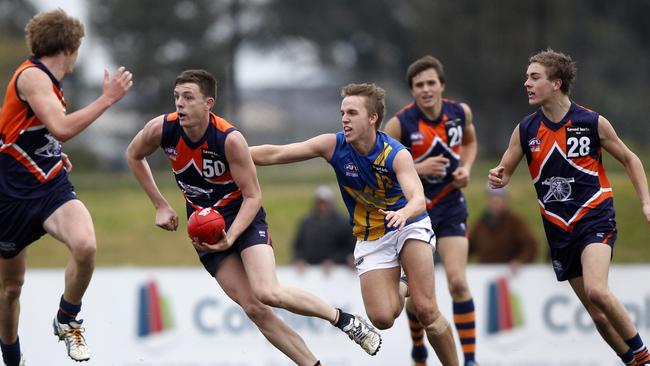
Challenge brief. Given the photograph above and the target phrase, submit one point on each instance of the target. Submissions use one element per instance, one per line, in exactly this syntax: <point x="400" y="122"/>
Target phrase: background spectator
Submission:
<point x="324" y="236"/>
<point x="501" y="235"/>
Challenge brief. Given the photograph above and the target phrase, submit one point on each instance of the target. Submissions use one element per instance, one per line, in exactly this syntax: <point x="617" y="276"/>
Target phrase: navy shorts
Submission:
<point x="567" y="262"/>
<point x="22" y="220"/>
<point x="449" y="217"/>
<point x="256" y="233"/>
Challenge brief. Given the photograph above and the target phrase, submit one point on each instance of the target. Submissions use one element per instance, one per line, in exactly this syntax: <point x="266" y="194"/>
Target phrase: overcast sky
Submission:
<point x="294" y="64"/>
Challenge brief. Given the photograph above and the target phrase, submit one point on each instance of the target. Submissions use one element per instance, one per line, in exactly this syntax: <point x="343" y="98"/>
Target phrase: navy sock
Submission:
<point x="11" y="353"/>
<point x="344" y="319"/>
<point x="627" y="357"/>
<point x="67" y="311"/>
<point x="635" y="342"/>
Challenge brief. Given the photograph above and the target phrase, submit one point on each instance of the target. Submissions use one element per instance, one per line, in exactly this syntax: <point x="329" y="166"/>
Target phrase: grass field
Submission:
<point x="126" y="235"/>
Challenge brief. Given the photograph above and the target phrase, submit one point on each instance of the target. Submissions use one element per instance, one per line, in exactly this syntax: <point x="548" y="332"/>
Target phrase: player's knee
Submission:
<point x="84" y="250"/>
<point x="256" y="312"/>
<point x="426" y="311"/>
<point x="457" y="286"/>
<point x="269" y="296"/>
<point x="601" y="297"/>
<point x="438" y="326"/>
<point x="11" y="289"/>
<point x="382" y="321"/>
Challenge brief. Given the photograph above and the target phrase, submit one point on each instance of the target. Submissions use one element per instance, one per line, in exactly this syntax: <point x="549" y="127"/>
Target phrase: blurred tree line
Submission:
<point x="484" y="46"/>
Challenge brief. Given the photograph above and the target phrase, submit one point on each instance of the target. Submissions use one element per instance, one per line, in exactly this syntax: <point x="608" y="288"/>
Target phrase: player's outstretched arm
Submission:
<point x="143" y="145"/>
<point x="411" y="186"/>
<point x="610" y="141"/>
<point x="321" y="145"/>
<point x="35" y="87"/>
<point x="499" y="176"/>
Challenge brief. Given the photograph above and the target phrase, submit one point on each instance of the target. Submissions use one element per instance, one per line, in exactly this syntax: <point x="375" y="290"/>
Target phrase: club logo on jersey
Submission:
<point x="351" y="170"/>
<point x="534" y="144"/>
<point x="417" y="138"/>
<point x="171" y="152"/>
<point x="192" y="191"/>
<point x="559" y="189"/>
<point x="51" y="149"/>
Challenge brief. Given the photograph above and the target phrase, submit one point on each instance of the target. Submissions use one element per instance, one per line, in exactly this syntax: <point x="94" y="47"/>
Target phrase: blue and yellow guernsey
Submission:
<point x="368" y="183"/>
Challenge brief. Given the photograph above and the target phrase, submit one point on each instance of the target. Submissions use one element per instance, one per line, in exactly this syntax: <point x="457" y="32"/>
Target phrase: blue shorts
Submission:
<point x="567" y="262"/>
<point x="449" y="217"/>
<point x="22" y="220"/>
<point x="256" y="233"/>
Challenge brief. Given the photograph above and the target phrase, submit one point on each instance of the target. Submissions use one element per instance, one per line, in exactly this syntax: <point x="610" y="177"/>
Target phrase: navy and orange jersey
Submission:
<point x="201" y="168"/>
<point x="368" y="183"/>
<point x="426" y="138"/>
<point x="30" y="157"/>
<point x="565" y="164"/>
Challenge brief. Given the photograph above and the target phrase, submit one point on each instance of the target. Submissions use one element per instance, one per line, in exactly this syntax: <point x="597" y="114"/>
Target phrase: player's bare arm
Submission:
<point x="411" y="186"/>
<point x="393" y="129"/>
<point x="36" y="88"/>
<point x="319" y="146"/>
<point x="468" y="152"/>
<point x="610" y="141"/>
<point x="499" y="176"/>
<point x="245" y="176"/>
<point x="143" y="145"/>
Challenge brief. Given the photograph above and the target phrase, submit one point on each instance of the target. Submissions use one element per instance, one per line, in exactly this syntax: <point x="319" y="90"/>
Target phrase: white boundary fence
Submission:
<point x="205" y="328"/>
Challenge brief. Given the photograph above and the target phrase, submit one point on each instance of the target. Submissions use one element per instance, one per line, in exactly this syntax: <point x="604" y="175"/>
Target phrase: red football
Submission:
<point x="206" y="224"/>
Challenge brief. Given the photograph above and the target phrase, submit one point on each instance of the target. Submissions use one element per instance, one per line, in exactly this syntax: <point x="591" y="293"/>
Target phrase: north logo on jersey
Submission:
<point x="51" y="149"/>
<point x="559" y="189"/>
<point x="192" y="191"/>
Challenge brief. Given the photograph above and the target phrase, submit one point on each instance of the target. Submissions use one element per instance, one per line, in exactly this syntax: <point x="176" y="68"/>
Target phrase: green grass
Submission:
<point x="126" y="234"/>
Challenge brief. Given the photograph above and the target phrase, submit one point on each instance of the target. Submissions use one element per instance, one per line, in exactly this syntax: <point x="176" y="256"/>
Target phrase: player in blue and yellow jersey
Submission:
<point x="441" y="137"/>
<point x="386" y="204"/>
<point x="36" y="196"/>
<point x="213" y="168"/>
<point x="563" y="143"/>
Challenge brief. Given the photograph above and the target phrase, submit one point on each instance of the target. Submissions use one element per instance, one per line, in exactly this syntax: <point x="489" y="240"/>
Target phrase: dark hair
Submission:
<point x="49" y="33"/>
<point x="375" y="98"/>
<point x="425" y="63"/>
<point x="206" y="82"/>
<point x="558" y="66"/>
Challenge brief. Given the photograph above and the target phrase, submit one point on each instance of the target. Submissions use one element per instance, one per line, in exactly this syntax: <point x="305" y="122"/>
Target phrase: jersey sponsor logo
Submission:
<point x="559" y="189"/>
<point x="452" y="122"/>
<point x="577" y="131"/>
<point x="192" y="191"/>
<point x="171" y="152"/>
<point x="51" y="149"/>
<point x="351" y="170"/>
<point x="379" y="169"/>
<point x="534" y="144"/>
<point x="209" y="154"/>
<point x="417" y="138"/>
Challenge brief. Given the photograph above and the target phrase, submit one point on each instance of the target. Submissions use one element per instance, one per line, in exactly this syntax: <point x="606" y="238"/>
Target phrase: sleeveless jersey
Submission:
<point x="30" y="157"/>
<point x="426" y="138"/>
<point x="201" y="168"/>
<point x="565" y="164"/>
<point x="368" y="183"/>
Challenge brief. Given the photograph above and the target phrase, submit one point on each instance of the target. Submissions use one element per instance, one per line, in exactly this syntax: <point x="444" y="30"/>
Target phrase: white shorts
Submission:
<point x="384" y="252"/>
